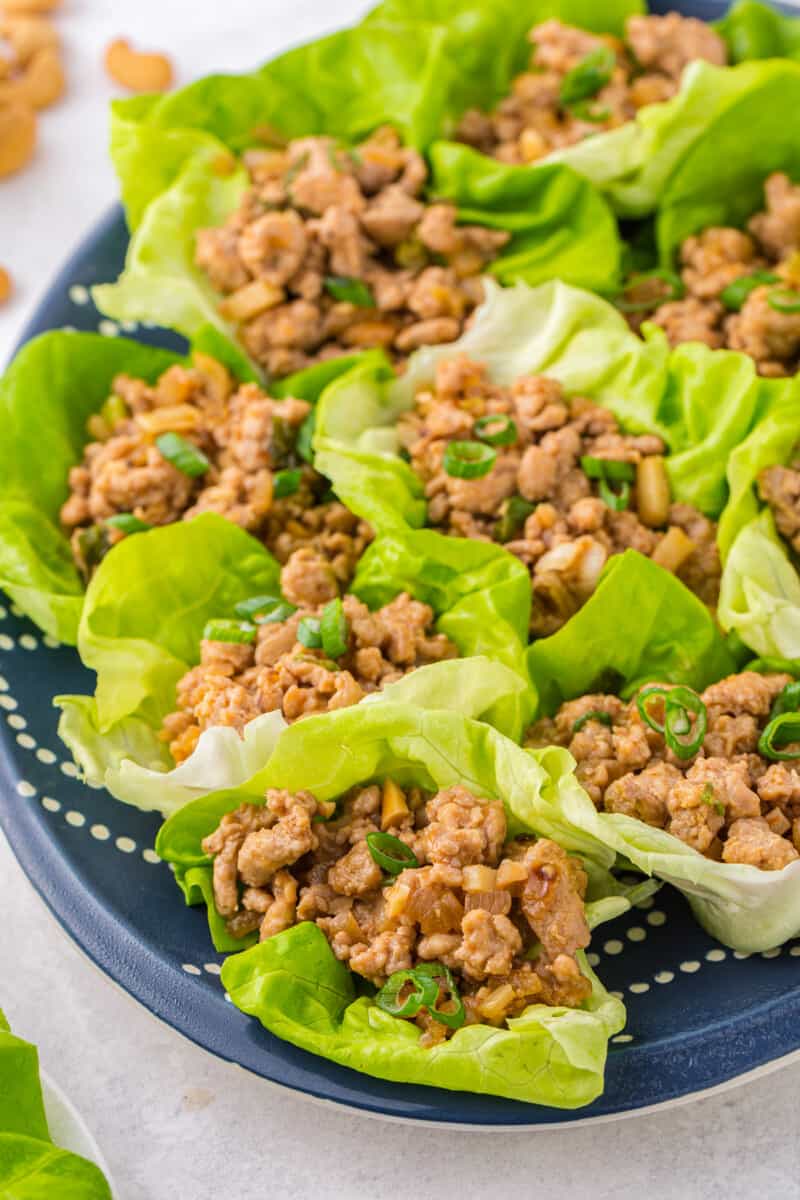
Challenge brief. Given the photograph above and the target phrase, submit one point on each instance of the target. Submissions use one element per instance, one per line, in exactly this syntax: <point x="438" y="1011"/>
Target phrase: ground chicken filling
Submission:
<point x="332" y="250"/>
<point x="722" y="777"/>
<point x="560" y="486"/>
<point x="580" y="84"/>
<point x="737" y="290"/>
<point x="779" y="487"/>
<point x="284" y="664"/>
<point x="195" y="442"/>
<point x="399" y="879"/>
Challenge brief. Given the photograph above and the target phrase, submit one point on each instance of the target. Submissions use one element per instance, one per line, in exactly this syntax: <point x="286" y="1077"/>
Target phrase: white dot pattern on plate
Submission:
<point x="613" y="946"/>
<point x="69" y="769"/>
<point x="3" y="613"/>
<point x="191" y="969"/>
<point x="75" y="818"/>
<point x="50" y="804"/>
<point x="79" y="294"/>
<point x="50" y="641"/>
<point x="636" y="933"/>
<point x="593" y="959"/>
<point x="16" y="721"/>
<point x="656" y="918"/>
<point x="6" y="643"/>
<point x="125" y="844"/>
<point x="26" y="741"/>
<point x="108" y="328"/>
<point x="771" y="953"/>
<point x="664" y="976"/>
<point x="45" y="756"/>
<point x="28" y="641"/>
<point x="3" y="684"/>
<point x="795" y="951"/>
<point x="690" y="966"/>
<point x="622" y="1038"/>
<point x="7" y="702"/>
<point x="716" y="956"/>
<point x="212" y="968"/>
<point x="101" y="832"/>
<point x="150" y="856"/>
<point x="639" y="989"/>
<point x="24" y="788"/>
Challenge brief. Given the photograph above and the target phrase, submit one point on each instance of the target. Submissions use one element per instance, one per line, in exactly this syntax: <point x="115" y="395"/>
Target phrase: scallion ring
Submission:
<point x="239" y="632"/>
<point x="264" y="610"/>
<point x="183" y="455"/>
<point x="127" y="523"/>
<point x="496" y="429"/>
<point x="594" y="714"/>
<point x="585" y="111"/>
<point x="590" y="75"/>
<point x="286" y="483"/>
<point x="676" y="290"/>
<point x="787" y="700"/>
<point x="454" y="1017"/>
<point x="349" y="291"/>
<point x="423" y="994"/>
<point x="390" y="853"/>
<point x="784" y="300"/>
<point x="613" y="469"/>
<point x="617" y="501"/>
<point x="685" y="718"/>
<point x="513" y="515"/>
<point x="469" y="460"/>
<point x="735" y="294"/>
<point x="308" y="633"/>
<point x="334" y="629"/>
<point x="781" y="731"/>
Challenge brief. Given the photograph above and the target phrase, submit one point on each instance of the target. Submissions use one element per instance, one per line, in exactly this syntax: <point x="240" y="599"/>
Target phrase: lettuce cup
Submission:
<point x="201" y="658"/>
<point x="414" y="903"/>
<point x="551" y="429"/>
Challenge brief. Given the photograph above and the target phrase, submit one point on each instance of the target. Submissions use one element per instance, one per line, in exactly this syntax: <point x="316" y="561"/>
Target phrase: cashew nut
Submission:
<point x="17" y="136"/>
<point x="137" y="71"/>
<point x="29" y="6"/>
<point x="6" y="286"/>
<point x="26" y="35"/>
<point x="39" y="85"/>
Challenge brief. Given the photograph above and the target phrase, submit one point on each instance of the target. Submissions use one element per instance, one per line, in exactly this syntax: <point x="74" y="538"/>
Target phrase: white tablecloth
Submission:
<point x="173" y="1121"/>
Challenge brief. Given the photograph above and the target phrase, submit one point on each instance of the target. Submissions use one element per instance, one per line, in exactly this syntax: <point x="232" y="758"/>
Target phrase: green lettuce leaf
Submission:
<point x="46" y="396"/>
<point x="641" y="623"/>
<point x="31" y="1169"/>
<point x="755" y="30"/>
<point x="701" y="402"/>
<point x="21" y="1102"/>
<point x="297" y="988"/>
<point x="149" y="601"/>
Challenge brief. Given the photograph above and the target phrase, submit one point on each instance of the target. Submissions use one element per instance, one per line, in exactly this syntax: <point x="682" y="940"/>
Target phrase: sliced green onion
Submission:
<point x="469" y="460"/>
<point x="735" y="294"/>
<point x="350" y="291"/>
<point x="674" y="282"/>
<point x="608" y="468"/>
<point x="264" y="610"/>
<point x="286" y="483"/>
<point x="242" y="632"/>
<point x="308" y="633"/>
<point x="390" y="853"/>
<point x="127" y="523"/>
<point x="274" y="616"/>
<point x="424" y="994"/>
<point x="708" y="797"/>
<point x="114" y="410"/>
<point x="594" y="714"/>
<point x="781" y="731"/>
<point x="587" y="78"/>
<point x="784" y="300"/>
<point x="303" y="445"/>
<point x="94" y="545"/>
<point x="787" y="700"/>
<point x="453" y="1018"/>
<point x="182" y="454"/>
<point x="685" y="717"/>
<point x="334" y="629"/>
<point x="585" y="111"/>
<point x="513" y="515"/>
<point x="772" y="666"/>
<point x="496" y="429"/>
<point x="618" y="501"/>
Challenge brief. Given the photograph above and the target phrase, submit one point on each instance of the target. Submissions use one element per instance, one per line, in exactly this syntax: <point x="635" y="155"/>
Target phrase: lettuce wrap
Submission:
<point x="640" y="633"/>
<point x="30" y="1164"/>
<point x="760" y="591"/>
<point x="701" y="402"/>
<point x="149" y="601"/>
<point x="297" y="988"/>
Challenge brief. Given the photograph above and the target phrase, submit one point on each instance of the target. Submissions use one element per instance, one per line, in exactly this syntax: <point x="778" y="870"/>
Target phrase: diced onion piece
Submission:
<point x="510" y="873"/>
<point x="673" y="549"/>
<point x="479" y="878"/>
<point x="652" y="491"/>
<point x="180" y="418"/>
<point x="394" y="807"/>
<point x="497" y="1003"/>
<point x="218" y="381"/>
<point x="251" y="300"/>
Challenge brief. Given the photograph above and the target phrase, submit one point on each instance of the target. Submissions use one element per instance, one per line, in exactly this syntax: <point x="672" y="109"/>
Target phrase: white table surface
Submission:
<point x="172" y="1120"/>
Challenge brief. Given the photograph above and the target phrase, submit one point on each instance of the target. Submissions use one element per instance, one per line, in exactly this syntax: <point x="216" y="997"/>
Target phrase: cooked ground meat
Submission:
<point x="779" y="487"/>
<point x="234" y="682"/>
<point x="537" y="117"/>
<point x="729" y="801"/>
<point x="538" y="500"/>
<point x="506" y="917"/>
<point x="247" y="437"/>
<point x="713" y="260"/>
<point x="334" y="250"/>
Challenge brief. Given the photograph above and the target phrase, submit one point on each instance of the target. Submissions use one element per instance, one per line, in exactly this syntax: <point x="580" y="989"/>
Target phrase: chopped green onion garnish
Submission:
<point x="454" y="1017"/>
<point x="182" y="454"/>
<point x="286" y="483"/>
<point x="585" y="111"/>
<point x="114" y="410"/>
<point x="262" y="609"/>
<point x="127" y="523"/>
<point x="772" y="665"/>
<point x="735" y="294"/>
<point x="496" y="430"/>
<point x="242" y="632"/>
<point x="618" y="501"/>
<point x="685" y="717"/>
<point x="303" y="445"/>
<point x="608" y="468"/>
<point x="469" y="460"/>
<point x="390" y="853"/>
<point x="274" y="616"/>
<point x="590" y="75"/>
<point x="334" y="629"/>
<point x="308" y="633"/>
<point x="784" y="300"/>
<point x="708" y="797"/>
<point x="350" y="291"/>
<point x="94" y="545"/>
<point x="594" y="714"/>
<point x="787" y="700"/>
<point x="424" y="993"/>
<point x="781" y="731"/>
<point x="674" y="282"/>
<point x="513" y="515"/>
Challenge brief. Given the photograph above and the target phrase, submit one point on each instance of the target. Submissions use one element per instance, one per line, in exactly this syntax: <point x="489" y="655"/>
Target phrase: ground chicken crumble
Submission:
<point x="506" y="917"/>
<point x="537" y="498"/>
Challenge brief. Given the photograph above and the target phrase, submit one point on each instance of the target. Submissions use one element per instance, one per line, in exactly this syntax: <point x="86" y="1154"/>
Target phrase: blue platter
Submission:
<point x="698" y="1015"/>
